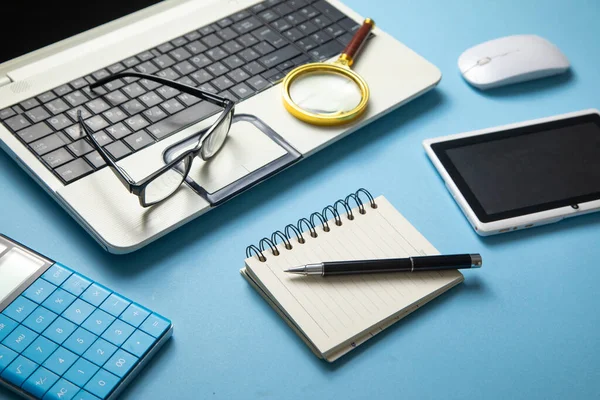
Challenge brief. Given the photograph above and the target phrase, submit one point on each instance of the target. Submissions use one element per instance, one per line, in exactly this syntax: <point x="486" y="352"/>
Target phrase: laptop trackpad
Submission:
<point x="247" y="149"/>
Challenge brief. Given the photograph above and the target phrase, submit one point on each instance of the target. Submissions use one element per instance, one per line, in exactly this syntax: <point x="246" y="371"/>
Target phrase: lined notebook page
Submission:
<point x="333" y="310"/>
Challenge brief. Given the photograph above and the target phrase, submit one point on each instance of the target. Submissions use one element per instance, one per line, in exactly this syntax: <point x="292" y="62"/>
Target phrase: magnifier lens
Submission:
<point x="322" y="92"/>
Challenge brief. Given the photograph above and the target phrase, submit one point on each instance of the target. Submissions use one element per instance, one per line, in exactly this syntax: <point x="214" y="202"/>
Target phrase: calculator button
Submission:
<point x="19" y="370"/>
<point x="81" y="372"/>
<point x="20" y="309"/>
<point x="138" y="343"/>
<point x="98" y="322"/>
<point x="78" y="311"/>
<point x="40" y="319"/>
<point x="40" y="350"/>
<point x="100" y="352"/>
<point x="134" y="315"/>
<point x="40" y="381"/>
<point x="6" y="357"/>
<point x="20" y="338"/>
<point x="57" y="274"/>
<point x="59" y="330"/>
<point x="115" y="305"/>
<point x="62" y="390"/>
<point x="95" y="295"/>
<point x="118" y="332"/>
<point x="83" y="395"/>
<point x="120" y="363"/>
<point x="39" y="291"/>
<point x="60" y="361"/>
<point x="59" y="301"/>
<point x="155" y="325"/>
<point x="6" y="326"/>
<point x="79" y="341"/>
<point x="102" y="384"/>
<point x="76" y="284"/>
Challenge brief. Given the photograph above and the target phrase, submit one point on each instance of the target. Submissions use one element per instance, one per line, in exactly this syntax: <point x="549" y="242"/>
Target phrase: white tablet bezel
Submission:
<point x="515" y="223"/>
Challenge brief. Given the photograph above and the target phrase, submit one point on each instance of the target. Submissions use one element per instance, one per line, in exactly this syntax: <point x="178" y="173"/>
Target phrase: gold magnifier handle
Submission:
<point x="358" y="40"/>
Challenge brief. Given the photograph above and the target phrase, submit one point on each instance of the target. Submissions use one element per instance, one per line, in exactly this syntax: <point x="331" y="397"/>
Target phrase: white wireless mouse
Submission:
<point x="510" y="60"/>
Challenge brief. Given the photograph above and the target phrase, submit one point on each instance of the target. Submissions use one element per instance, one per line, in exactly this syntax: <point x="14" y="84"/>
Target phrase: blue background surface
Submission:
<point x="525" y="326"/>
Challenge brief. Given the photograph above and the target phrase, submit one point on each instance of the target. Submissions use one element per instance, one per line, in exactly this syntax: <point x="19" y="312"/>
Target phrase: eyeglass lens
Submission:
<point x="166" y="184"/>
<point x="215" y="141"/>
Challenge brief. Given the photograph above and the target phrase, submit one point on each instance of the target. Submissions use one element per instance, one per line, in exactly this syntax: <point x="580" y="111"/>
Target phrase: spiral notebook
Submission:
<point x="334" y="315"/>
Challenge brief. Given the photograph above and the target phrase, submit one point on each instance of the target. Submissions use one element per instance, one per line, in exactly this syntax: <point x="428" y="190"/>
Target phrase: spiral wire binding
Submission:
<point x="316" y="218"/>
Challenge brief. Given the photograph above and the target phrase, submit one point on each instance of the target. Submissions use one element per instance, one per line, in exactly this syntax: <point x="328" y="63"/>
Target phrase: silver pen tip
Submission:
<point x="296" y="270"/>
<point x="476" y="261"/>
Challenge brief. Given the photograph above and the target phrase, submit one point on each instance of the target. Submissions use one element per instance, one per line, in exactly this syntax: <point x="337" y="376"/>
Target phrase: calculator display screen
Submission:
<point x="16" y="266"/>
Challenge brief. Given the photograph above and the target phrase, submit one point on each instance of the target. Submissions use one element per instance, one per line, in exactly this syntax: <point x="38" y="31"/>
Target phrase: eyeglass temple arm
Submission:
<point x="118" y="171"/>
<point x="213" y="98"/>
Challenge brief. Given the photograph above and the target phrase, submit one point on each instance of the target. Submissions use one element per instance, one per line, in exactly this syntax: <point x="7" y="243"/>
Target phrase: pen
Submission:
<point x="409" y="264"/>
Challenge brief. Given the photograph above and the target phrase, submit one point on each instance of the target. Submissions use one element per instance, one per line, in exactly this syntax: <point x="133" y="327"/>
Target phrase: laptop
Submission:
<point x="240" y="49"/>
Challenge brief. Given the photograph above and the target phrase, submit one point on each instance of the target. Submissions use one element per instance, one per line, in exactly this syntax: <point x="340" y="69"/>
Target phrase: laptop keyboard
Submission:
<point x="236" y="57"/>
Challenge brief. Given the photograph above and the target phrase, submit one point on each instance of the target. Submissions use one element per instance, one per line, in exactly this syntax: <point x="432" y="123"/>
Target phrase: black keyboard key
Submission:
<point x="238" y="75"/>
<point x="296" y="4"/>
<point x="222" y="83"/>
<point x="114" y="85"/>
<point x="293" y="34"/>
<point x="100" y="74"/>
<point x="201" y="76"/>
<point x="282" y="25"/>
<point x="95" y="159"/>
<point x="118" y="150"/>
<point x="270" y="74"/>
<point x="60" y="122"/>
<point x="96" y="123"/>
<point x="155" y="114"/>
<point x="260" y="7"/>
<point x="47" y="144"/>
<point x="249" y="55"/>
<point x="29" y="104"/>
<point x="133" y="107"/>
<point x="76" y="98"/>
<point x="240" y="15"/>
<point x="286" y="66"/>
<point x="57" y="157"/>
<point x="17" y="109"/>
<point x="232" y="47"/>
<point x="295" y="18"/>
<point x="148" y="84"/>
<point x="225" y="22"/>
<point x="307" y="28"/>
<point x="192" y="36"/>
<point x="309" y="12"/>
<point x="227" y="34"/>
<point x="114" y="115"/>
<point x="74" y="131"/>
<point x="118" y="131"/>
<point x="147" y="68"/>
<point x="207" y="30"/>
<point x="172" y="106"/>
<point x="247" y="40"/>
<point x="200" y="61"/>
<point x="34" y="132"/>
<point x="115" y="98"/>
<point x="37" y="114"/>
<point x="196" y="47"/>
<point x="7" y="113"/>
<point x="187" y="81"/>
<point x="139" y="140"/>
<point x="150" y="99"/>
<point x="345" y="38"/>
<point x="349" y="25"/>
<point x="168" y="74"/>
<point x="254" y="68"/>
<point x="78" y="83"/>
<point x="17" y="122"/>
<point x="116" y="68"/>
<point x="335" y="30"/>
<point x="217" y="53"/>
<point x="211" y="41"/>
<point x="167" y="92"/>
<point x="73" y="170"/>
<point x="97" y="106"/>
<point x="263" y="48"/>
<point x="178" y="42"/>
<point x="270" y="36"/>
<point x="268" y="15"/>
<point x="284" y="9"/>
<point x="279" y="56"/>
<point x="242" y="91"/>
<point x="326" y="51"/>
<point x="246" y="25"/>
<point x="136" y="123"/>
<point x="134" y="90"/>
<point x="62" y="90"/>
<point x="301" y="59"/>
<point x="228" y="95"/>
<point x="80" y="147"/>
<point x="46" y="97"/>
<point x="131" y="62"/>
<point x="321" y="37"/>
<point x="307" y="44"/>
<point x="207" y="87"/>
<point x="258" y="83"/>
<point x="233" y="62"/>
<point x="163" y="61"/>
<point x="187" y="99"/>
<point x="322" y="21"/>
<point x="217" y="69"/>
<point x="180" y="54"/>
<point x="328" y="10"/>
<point x="165" y="47"/>
<point x="102" y="138"/>
<point x="183" y="119"/>
<point x="85" y="114"/>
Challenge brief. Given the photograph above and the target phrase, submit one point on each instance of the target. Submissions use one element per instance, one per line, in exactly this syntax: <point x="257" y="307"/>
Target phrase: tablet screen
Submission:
<point x="525" y="170"/>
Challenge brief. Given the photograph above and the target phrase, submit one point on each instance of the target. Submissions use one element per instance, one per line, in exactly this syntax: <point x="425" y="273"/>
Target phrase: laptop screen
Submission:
<point x="44" y="23"/>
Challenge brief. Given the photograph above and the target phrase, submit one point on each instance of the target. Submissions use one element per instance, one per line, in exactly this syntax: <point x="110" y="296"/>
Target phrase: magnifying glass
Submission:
<point x="329" y="94"/>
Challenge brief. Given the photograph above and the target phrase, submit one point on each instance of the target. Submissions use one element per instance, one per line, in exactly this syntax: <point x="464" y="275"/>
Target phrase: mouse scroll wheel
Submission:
<point x="484" y="61"/>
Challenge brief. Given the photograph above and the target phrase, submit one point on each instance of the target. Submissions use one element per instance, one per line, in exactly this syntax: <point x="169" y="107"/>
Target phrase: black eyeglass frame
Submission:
<point x="138" y="188"/>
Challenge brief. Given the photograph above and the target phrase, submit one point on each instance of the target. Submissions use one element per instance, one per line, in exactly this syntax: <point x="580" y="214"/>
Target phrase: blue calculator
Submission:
<point x="64" y="336"/>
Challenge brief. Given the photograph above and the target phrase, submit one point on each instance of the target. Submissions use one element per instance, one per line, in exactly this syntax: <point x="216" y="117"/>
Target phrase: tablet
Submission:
<point x="523" y="175"/>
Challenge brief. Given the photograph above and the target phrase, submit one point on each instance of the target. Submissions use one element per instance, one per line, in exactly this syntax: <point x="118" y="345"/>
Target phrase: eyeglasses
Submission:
<point x="163" y="183"/>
